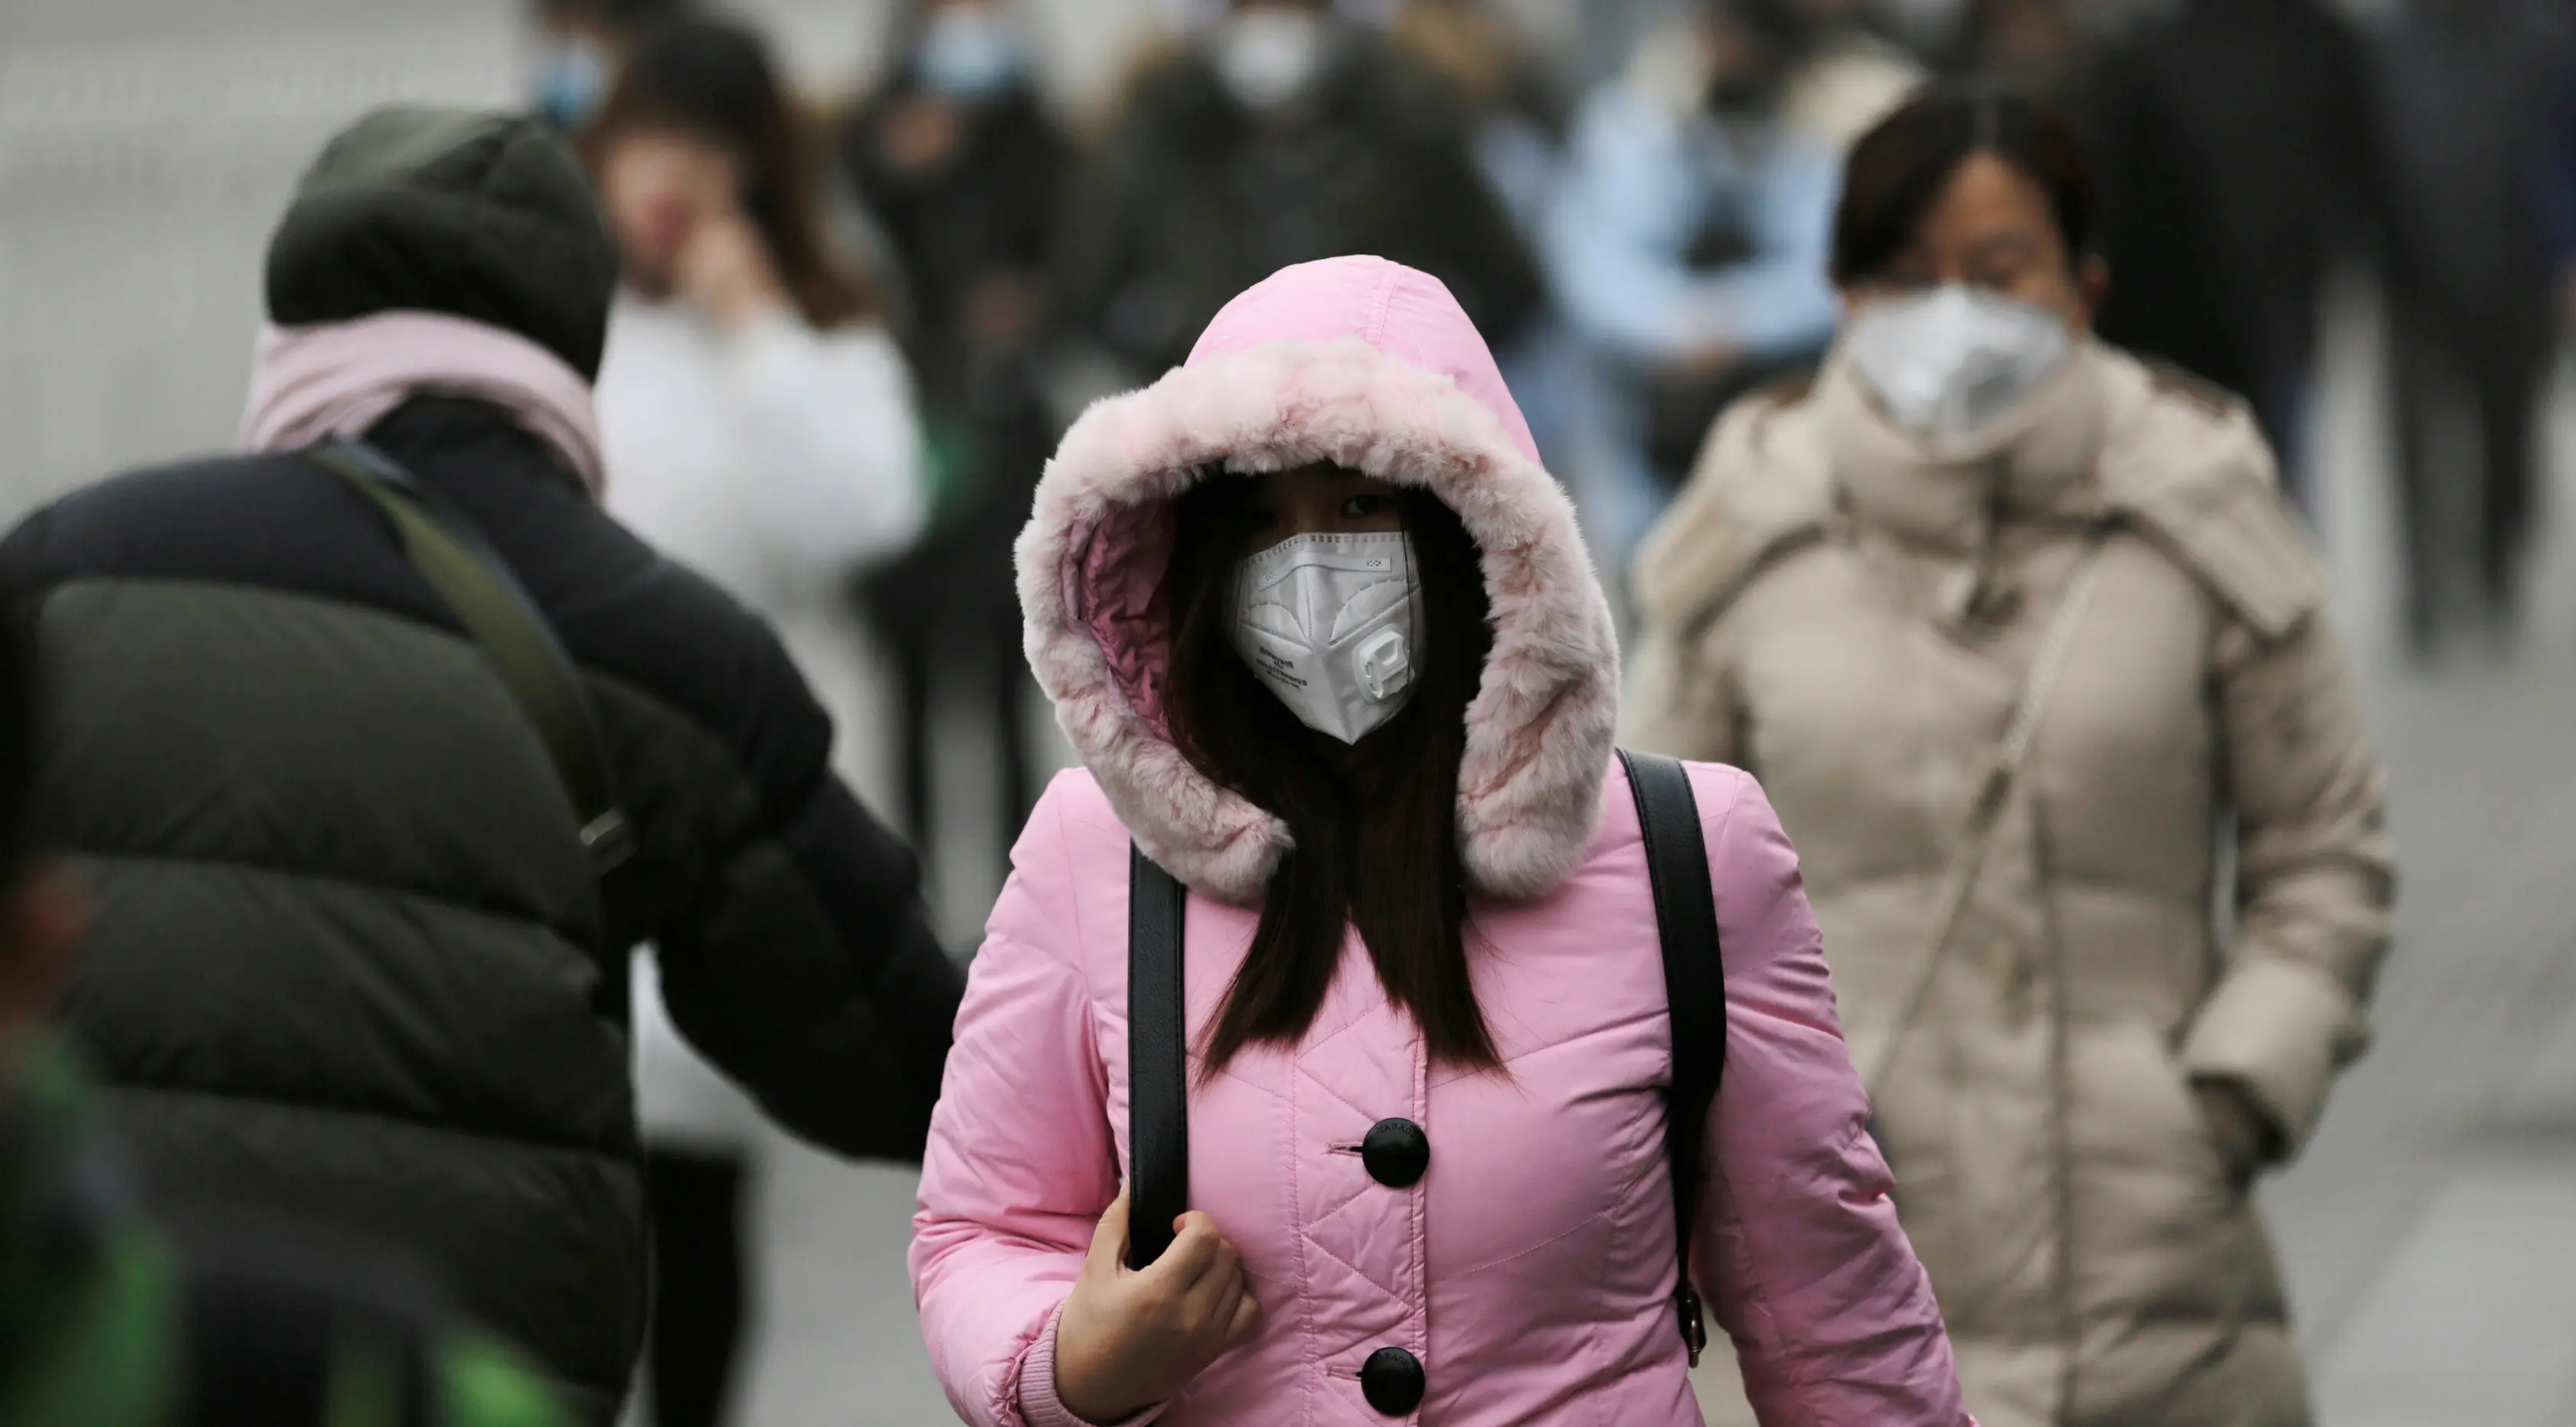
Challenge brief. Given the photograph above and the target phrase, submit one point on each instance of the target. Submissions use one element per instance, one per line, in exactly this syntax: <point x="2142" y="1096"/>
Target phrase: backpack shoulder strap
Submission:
<point x="478" y="587"/>
<point x="1694" y="985"/>
<point x="1158" y="1103"/>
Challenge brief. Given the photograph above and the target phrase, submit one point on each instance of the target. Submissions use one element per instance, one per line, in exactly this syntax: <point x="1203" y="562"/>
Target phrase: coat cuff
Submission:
<point x="2280" y="1029"/>
<point x="1039" y="1406"/>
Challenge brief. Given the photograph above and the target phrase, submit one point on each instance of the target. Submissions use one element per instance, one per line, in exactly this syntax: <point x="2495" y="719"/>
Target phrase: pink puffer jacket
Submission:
<point x="1530" y="1272"/>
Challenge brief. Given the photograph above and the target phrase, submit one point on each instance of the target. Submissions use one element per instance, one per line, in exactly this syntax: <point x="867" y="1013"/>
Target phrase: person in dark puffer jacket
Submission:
<point x="350" y="962"/>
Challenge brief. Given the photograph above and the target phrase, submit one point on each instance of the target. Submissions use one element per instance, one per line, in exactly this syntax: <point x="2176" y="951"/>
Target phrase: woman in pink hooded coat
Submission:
<point x="1459" y="937"/>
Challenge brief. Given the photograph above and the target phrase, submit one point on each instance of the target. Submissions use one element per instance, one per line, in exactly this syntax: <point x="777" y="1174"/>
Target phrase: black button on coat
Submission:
<point x="1396" y="1153"/>
<point x="1392" y="1381"/>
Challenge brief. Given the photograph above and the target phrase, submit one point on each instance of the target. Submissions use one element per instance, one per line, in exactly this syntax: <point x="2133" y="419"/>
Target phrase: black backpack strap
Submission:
<point x="1694" y="984"/>
<point x="1158" y="1091"/>
<point x="478" y="587"/>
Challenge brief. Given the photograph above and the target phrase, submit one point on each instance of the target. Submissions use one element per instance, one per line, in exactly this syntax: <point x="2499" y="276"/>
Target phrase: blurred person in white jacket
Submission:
<point x="759" y="425"/>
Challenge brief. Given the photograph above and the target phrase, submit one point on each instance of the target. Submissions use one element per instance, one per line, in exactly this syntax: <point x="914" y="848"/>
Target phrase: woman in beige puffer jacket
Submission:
<point x="2079" y="1083"/>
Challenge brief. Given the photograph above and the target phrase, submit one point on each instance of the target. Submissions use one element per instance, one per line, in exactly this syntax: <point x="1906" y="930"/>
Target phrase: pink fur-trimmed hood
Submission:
<point x="1373" y="366"/>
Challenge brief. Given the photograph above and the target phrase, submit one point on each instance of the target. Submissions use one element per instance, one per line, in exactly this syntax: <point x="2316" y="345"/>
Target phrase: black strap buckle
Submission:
<point x="1694" y="1321"/>
<point x="609" y="839"/>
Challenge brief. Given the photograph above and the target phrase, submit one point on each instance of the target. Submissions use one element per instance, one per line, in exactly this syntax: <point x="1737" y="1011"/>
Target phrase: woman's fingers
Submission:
<point x="1212" y="1316"/>
<point x="1195" y="1243"/>
<point x="1246" y="1316"/>
<point x="1109" y="1240"/>
<point x="1223" y="1272"/>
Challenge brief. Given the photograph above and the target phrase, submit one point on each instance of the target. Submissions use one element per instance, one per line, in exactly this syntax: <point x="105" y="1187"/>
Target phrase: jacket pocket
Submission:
<point x="2142" y="1146"/>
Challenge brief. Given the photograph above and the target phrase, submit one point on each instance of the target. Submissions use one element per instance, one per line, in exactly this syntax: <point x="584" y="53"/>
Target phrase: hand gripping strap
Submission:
<point x="1158" y="1091"/>
<point x="1695" y="988"/>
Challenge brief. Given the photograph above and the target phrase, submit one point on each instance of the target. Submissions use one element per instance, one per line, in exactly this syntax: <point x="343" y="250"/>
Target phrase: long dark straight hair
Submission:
<point x="1375" y="825"/>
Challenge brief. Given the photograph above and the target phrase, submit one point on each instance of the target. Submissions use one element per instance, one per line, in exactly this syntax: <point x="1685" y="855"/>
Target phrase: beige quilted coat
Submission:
<point x="1850" y="617"/>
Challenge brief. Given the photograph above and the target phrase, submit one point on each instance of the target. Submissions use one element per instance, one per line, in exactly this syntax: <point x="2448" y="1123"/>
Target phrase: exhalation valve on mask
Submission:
<point x="1329" y="624"/>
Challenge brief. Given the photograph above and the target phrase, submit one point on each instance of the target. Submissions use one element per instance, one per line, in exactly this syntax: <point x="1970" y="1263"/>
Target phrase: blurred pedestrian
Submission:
<point x="1931" y="30"/>
<point x="378" y="757"/>
<point x="2560" y="204"/>
<point x="1688" y="247"/>
<point x="2019" y="634"/>
<point x="1516" y="114"/>
<point x="956" y="156"/>
<point x="580" y="47"/>
<point x="2471" y="88"/>
<point x="2238" y="160"/>
<point x="1281" y="133"/>
<point x="108" y="1319"/>
<point x="1419" y="1180"/>
<point x="2038" y="47"/>
<point x="759" y="419"/>
<point x="1848" y="74"/>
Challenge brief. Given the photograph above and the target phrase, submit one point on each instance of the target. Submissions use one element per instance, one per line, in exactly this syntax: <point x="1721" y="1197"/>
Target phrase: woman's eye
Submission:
<point x="1259" y="519"/>
<point x="1361" y="507"/>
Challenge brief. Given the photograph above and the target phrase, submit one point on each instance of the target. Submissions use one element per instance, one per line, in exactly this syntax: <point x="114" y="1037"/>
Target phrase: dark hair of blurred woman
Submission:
<point x="712" y="84"/>
<point x="1900" y="168"/>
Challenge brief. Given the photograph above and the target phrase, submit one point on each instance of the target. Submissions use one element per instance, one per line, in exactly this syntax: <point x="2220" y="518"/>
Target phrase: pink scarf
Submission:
<point x="335" y="379"/>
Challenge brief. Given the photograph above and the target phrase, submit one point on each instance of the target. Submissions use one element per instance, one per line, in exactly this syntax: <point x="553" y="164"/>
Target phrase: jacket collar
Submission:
<point x="2036" y="463"/>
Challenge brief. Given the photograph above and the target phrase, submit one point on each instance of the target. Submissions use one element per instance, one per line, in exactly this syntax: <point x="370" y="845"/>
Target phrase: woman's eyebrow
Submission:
<point x="2003" y="245"/>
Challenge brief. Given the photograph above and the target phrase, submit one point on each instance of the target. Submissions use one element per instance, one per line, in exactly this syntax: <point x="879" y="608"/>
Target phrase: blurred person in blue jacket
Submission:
<point x="1687" y="244"/>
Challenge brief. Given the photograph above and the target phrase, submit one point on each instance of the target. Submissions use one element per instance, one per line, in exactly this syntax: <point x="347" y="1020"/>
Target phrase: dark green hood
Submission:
<point x="483" y="215"/>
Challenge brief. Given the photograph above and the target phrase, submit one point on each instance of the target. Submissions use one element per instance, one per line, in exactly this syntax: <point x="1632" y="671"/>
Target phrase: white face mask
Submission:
<point x="1329" y="623"/>
<point x="1951" y="362"/>
<point x="1266" y="56"/>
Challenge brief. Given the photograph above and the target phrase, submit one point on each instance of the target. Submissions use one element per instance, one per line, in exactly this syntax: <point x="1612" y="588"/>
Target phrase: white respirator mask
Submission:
<point x="1953" y="361"/>
<point x="1329" y="624"/>
<point x="1267" y="56"/>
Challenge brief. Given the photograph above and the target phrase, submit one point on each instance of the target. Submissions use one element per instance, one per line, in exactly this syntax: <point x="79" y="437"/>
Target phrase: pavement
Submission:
<point x="2429" y="1233"/>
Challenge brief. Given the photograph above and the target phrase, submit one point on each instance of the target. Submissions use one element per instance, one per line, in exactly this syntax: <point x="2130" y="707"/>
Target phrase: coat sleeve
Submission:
<point x="810" y="976"/>
<point x="795" y="951"/>
<point x="2315" y="877"/>
<point x="1021" y="1163"/>
<point x="1832" y="1316"/>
